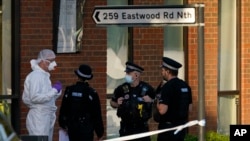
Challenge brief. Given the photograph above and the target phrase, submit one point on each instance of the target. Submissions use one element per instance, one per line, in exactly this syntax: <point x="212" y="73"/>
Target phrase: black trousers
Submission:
<point x="170" y="136"/>
<point x="80" y="132"/>
<point x="136" y="128"/>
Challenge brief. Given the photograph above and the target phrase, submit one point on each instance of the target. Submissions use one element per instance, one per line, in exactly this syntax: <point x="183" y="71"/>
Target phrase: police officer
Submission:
<point x="175" y="101"/>
<point x="80" y="112"/>
<point x="133" y="100"/>
<point x="156" y="115"/>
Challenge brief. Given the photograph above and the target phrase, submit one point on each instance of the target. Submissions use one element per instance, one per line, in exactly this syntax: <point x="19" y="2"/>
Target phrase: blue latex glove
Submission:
<point x="57" y="86"/>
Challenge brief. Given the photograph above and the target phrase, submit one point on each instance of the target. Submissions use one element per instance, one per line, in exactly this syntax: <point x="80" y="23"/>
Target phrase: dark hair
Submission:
<point x="82" y="78"/>
<point x="173" y="72"/>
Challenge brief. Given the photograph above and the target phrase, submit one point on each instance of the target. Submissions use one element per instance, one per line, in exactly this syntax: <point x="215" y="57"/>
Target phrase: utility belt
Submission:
<point x="168" y="124"/>
<point x="140" y="124"/>
<point x="132" y="128"/>
<point x="81" y="119"/>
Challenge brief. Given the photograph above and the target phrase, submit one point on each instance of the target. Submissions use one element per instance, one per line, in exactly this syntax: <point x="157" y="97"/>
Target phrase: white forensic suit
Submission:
<point x="40" y="98"/>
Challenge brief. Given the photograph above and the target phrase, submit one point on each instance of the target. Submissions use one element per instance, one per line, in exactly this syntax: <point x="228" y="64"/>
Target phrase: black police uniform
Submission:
<point x="134" y="112"/>
<point x="155" y="112"/>
<point x="177" y="95"/>
<point x="80" y="112"/>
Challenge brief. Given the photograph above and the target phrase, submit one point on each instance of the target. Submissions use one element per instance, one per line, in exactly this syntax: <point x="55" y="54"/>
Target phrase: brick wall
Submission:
<point x="36" y="34"/>
<point x="211" y="53"/>
<point x="245" y="63"/>
<point x="148" y="51"/>
<point x="148" y="48"/>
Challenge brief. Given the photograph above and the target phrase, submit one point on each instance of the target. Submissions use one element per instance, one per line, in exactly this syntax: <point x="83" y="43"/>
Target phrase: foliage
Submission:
<point x="190" y="137"/>
<point x="187" y="138"/>
<point x="214" y="136"/>
<point x="154" y="138"/>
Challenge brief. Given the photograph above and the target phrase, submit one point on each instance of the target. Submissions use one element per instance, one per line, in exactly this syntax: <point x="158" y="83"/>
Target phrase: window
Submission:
<point x="227" y="45"/>
<point x="173" y="41"/>
<point x="5" y="53"/>
<point x="117" y="55"/>
<point x="228" y="65"/>
<point x="9" y="60"/>
<point x="117" y="52"/>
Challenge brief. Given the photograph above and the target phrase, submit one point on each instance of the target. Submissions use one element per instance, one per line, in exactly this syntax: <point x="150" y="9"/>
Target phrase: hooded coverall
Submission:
<point x="40" y="98"/>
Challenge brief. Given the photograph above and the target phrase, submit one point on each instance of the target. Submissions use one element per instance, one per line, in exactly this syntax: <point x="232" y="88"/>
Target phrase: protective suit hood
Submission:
<point x="35" y="66"/>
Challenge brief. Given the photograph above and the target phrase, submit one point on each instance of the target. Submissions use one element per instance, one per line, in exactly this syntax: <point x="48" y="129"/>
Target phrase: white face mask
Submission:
<point x="52" y="66"/>
<point x="128" y="79"/>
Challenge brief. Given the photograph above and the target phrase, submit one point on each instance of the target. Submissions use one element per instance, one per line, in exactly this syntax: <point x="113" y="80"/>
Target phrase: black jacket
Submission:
<point x="81" y="102"/>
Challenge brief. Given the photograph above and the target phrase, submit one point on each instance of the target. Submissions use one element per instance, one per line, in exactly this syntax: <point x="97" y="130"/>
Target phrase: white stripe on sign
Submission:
<point x="177" y="128"/>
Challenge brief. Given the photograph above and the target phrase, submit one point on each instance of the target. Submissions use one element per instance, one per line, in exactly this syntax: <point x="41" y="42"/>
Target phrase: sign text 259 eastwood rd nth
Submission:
<point x="158" y="15"/>
<point x="143" y="15"/>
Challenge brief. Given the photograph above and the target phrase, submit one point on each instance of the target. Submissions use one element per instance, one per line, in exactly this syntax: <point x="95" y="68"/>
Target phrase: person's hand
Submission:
<point x="120" y="100"/>
<point x="146" y="98"/>
<point x="57" y="86"/>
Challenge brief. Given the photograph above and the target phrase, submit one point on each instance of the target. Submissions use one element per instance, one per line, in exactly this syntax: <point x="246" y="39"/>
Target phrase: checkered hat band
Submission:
<point x="133" y="68"/>
<point x="83" y="75"/>
<point x="168" y="66"/>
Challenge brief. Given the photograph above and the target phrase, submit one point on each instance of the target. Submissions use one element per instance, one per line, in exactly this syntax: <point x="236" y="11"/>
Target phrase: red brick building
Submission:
<point x="28" y="27"/>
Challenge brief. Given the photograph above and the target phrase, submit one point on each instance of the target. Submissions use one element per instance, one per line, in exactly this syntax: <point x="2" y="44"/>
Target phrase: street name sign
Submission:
<point x="144" y="15"/>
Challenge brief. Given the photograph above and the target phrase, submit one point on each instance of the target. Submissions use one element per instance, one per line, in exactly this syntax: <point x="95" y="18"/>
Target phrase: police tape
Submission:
<point x="177" y="128"/>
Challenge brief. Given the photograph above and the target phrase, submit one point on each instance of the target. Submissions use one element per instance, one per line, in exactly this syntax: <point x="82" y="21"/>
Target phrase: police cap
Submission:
<point x="170" y="63"/>
<point x="84" y="72"/>
<point x="133" y="67"/>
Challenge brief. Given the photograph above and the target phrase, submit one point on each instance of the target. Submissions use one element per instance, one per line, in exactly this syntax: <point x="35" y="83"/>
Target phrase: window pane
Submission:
<point x="173" y="2"/>
<point x="5" y="47"/>
<point x="6" y="131"/>
<point x="117" y="52"/>
<point x="117" y="55"/>
<point x="173" y="41"/>
<point x="226" y="113"/>
<point x="113" y="122"/>
<point x="5" y="106"/>
<point x="5" y="56"/>
<point x="227" y="44"/>
<point x="227" y="107"/>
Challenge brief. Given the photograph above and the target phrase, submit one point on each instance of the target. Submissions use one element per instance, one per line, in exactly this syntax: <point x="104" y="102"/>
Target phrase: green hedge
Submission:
<point x="191" y="138"/>
<point x="214" y="136"/>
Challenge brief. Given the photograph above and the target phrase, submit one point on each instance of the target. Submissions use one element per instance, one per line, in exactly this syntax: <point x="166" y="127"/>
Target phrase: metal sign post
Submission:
<point x="201" y="74"/>
<point x="175" y="15"/>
